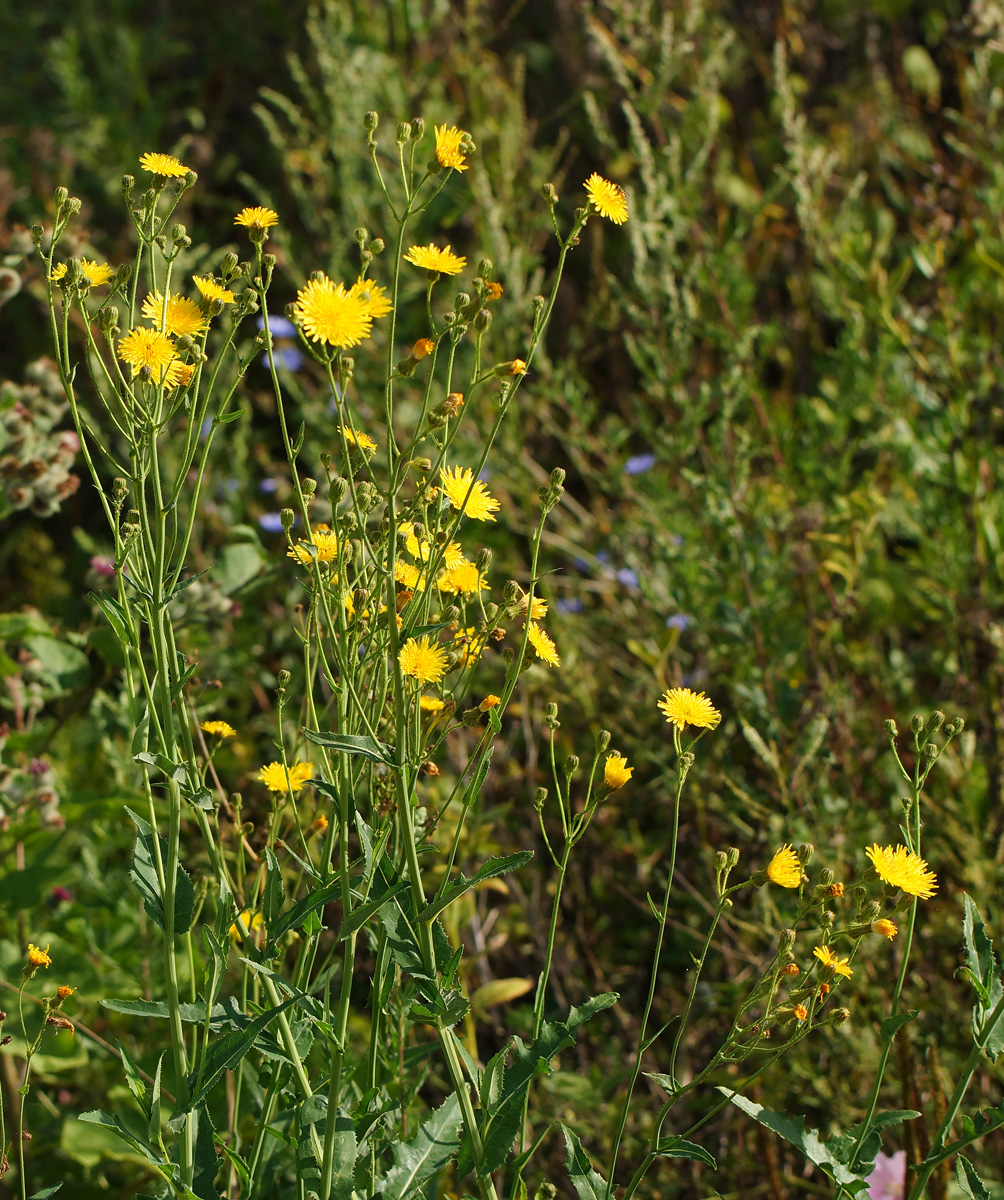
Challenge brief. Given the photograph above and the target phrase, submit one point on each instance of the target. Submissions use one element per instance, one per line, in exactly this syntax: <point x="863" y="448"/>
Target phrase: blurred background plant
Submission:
<point x="777" y="394"/>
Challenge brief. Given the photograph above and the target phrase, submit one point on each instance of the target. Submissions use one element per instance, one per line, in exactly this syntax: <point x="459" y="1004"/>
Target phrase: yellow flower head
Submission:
<point x="181" y="316"/>
<point x="800" y="1012"/>
<point x="616" y="772"/>
<point x="92" y="274"/>
<point x="543" y="645"/>
<point x="277" y="779"/>
<point x="257" y="217"/>
<point x="147" y="348"/>
<point x="423" y="660"/>
<point x="836" y="890"/>
<point x="246" y="921"/>
<point x="211" y="290"/>
<point x="220" y="729"/>
<point x="479" y="503"/>
<point x="839" y="966"/>
<point x="319" y="824"/>
<point x="409" y="576"/>
<point x="494" y="290"/>
<point x="64" y="992"/>
<point x="448" y="151"/>
<point x="466" y="579"/>
<point x="331" y="314"/>
<point x="888" y="929"/>
<point x="490" y="701"/>
<point x="362" y="440"/>
<point x="901" y="868"/>
<point x="178" y="374"/>
<point x="684" y="707"/>
<point x="784" y="869"/>
<point x="431" y="258"/>
<point x="372" y="296"/>
<point x="164" y="165"/>
<point x="607" y="198"/>
<point x="431" y="704"/>
<point x="38" y="957"/>
<point x="326" y="543"/>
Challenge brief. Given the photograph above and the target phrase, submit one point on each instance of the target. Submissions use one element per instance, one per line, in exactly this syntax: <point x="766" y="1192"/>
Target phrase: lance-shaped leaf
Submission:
<point x="984" y="974"/>
<point x="491" y="870"/>
<point x="427" y="1153"/>
<point x="352" y="743"/>
<point x="588" y="1183"/>
<point x="144" y="875"/>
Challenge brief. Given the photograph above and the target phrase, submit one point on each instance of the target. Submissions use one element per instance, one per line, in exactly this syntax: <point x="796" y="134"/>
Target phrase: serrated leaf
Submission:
<point x="491" y="869"/>
<point x="678" y="1147"/>
<point x="425" y="1155"/>
<point x="969" y="1180"/>
<point x="351" y="743"/>
<point x="144" y="874"/>
<point x="116" y="616"/>
<point x="892" y="1025"/>
<point x="588" y="1183"/>
<point x="207" y="1165"/>
<point x="985" y="976"/>
<point x="582" y="1013"/>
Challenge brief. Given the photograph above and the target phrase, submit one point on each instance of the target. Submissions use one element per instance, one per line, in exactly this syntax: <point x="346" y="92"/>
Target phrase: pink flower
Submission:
<point x="888" y="1179"/>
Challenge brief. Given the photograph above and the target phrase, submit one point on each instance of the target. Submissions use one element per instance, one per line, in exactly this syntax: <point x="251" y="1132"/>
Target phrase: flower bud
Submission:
<point x="482" y="321"/>
<point x="377" y="246"/>
<point x="825" y="877"/>
<point x="108" y="320"/>
<point x="228" y="264"/>
<point x="870" y="911"/>
<point x="930" y="750"/>
<point x="60" y="196"/>
<point x="571" y="765"/>
<point x="917" y="723"/>
<point x="890" y="728"/>
<point x="37" y="233"/>
<point x="785" y="941"/>
<point x="179" y="235"/>
<point x="602" y="741"/>
<point x="282" y="679"/>
<point x="733" y="853"/>
<point x="549" y="194"/>
<point x="337" y="489"/>
<point x="805" y="852"/>
<point x="483" y="560"/>
<point x="721" y="861"/>
<point x="403" y="133"/>
<point x="361" y="235"/>
<point x="370" y="121"/>
<point x="286" y="516"/>
<point x="826" y="919"/>
<point x="840" y="1016"/>
<point x="509" y="592"/>
<point x="539" y="797"/>
<point x="451" y="613"/>
<point x="935" y="721"/>
<point x="417" y="129"/>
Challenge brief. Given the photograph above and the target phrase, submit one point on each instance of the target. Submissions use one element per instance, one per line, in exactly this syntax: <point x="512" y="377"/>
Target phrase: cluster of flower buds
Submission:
<point x="35" y="458"/>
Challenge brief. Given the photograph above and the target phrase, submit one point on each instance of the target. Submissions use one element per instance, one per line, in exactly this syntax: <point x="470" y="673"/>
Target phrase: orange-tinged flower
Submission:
<point x="39" y="957"/>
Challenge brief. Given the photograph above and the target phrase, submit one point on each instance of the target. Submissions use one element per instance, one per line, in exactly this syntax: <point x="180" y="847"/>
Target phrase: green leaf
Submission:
<point x="116" y="615"/>
<point x="236" y="566"/>
<point x="135" y="1081"/>
<point x="98" y="1117"/>
<point x="892" y="1025"/>
<point x="588" y="1184"/>
<point x="229" y="1050"/>
<point x="45" y="1193"/>
<point x="153" y="1126"/>
<point x="969" y="1180"/>
<point x="274" y="893"/>
<point x="16" y="625"/>
<point x="351" y="743"/>
<point x="64" y="664"/>
<point x="181" y="586"/>
<point x="491" y="870"/>
<point x="144" y="874"/>
<point x="311" y="1114"/>
<point x="425" y="1155"/>
<point x="678" y="1147"/>
<point x="984" y="974"/>
<point x="827" y="1157"/>
<point x="207" y="1165"/>
<point x="585" y="1012"/>
<point x="193" y="1014"/>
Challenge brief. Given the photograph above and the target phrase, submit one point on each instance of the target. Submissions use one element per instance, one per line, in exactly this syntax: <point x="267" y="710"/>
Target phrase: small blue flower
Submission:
<point x="268" y="485"/>
<point x="287" y="357"/>
<point x="572" y="605"/>
<point x="638" y="464"/>
<point x="485" y="475"/>
<point x="679" y="621"/>
<point x="271" y="522"/>
<point x="627" y="577"/>
<point x="279" y="326"/>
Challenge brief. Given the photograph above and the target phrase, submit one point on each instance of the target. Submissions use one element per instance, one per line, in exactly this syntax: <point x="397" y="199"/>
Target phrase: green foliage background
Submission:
<point x="801" y="323"/>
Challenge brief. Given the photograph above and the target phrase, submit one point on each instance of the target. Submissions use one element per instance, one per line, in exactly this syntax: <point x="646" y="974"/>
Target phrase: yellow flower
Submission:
<point x="372" y="296"/>
<point x="684" y="707"/>
<point x="181" y="316"/>
<point x="409" y="576"/>
<point x="178" y="374"/>
<point x="165" y="165"/>
<point x="888" y="929"/>
<point x="319" y="824"/>
<point x="607" y="198"/>
<point x="490" y="701"/>
<point x="220" y="729"/>
<point x="448" y="152"/>
<point x="543" y="645"/>
<point x="784" y="869"/>
<point x="479" y="503"/>
<point x="839" y="966"/>
<point x="326" y="543"/>
<point x="517" y="367"/>
<point x="901" y="868"/>
<point x="494" y="290"/>
<point x="275" y="776"/>
<point x="616" y="772"/>
<point x="800" y="1012"/>
<point x="146" y="348"/>
<point x="466" y="579"/>
<point x="422" y="660"/>
<point x="64" y="991"/>
<point x="257" y="217"/>
<point x="362" y="440"/>
<point x="431" y="258"/>
<point x="38" y="957"/>
<point x="58" y="271"/>
<point x="431" y="704"/>
<point x="246" y="921"/>
<point x="331" y="314"/>
<point x="538" y="610"/>
<point x="211" y="290"/>
<point x="93" y="274"/>
<point x="836" y="890"/>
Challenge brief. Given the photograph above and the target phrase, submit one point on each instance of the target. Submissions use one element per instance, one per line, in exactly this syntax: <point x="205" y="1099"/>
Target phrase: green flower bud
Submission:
<point x="286" y="515"/>
<point x="602" y="741"/>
